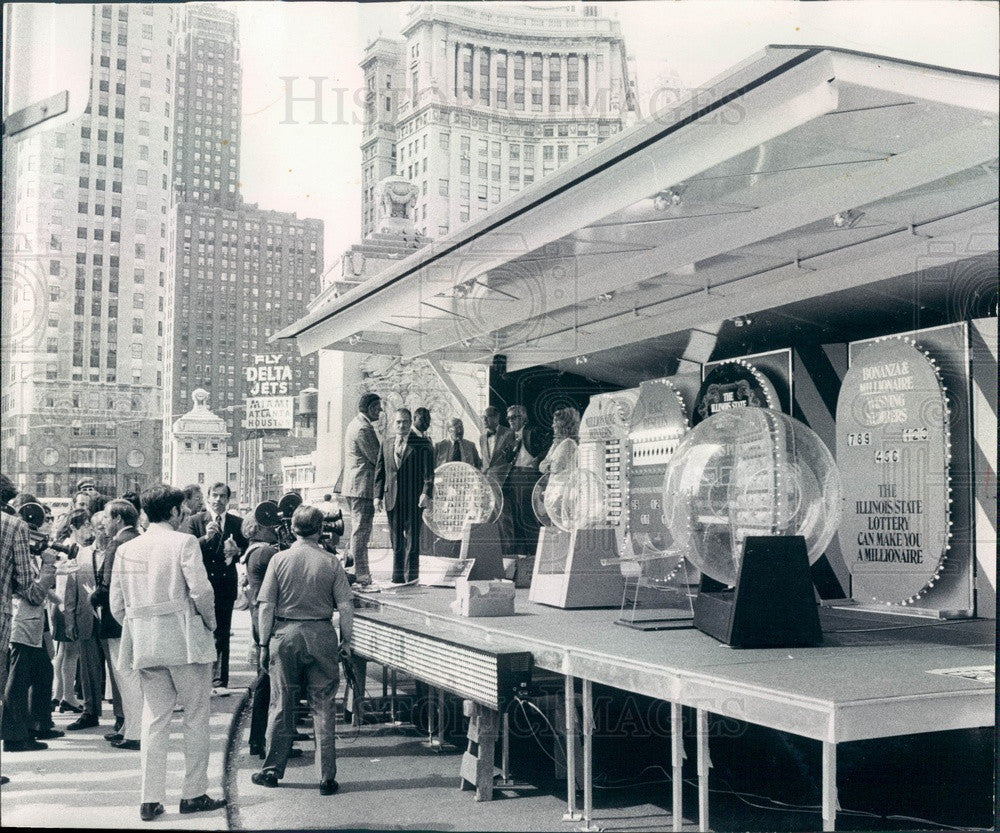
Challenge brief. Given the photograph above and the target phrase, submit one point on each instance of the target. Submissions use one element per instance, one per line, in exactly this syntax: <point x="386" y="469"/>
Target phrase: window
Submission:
<point x="145" y="79"/>
<point x="442" y="191"/>
<point x="445" y="141"/>
<point x="144" y="104"/>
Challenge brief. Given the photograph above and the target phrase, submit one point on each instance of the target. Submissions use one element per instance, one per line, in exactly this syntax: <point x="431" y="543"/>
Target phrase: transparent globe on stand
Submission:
<point x="571" y="500"/>
<point x="463" y="495"/>
<point x="749" y="471"/>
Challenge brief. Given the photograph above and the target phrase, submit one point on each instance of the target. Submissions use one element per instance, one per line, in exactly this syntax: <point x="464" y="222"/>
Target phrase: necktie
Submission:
<point x="400" y="447"/>
<point x="456" y="452"/>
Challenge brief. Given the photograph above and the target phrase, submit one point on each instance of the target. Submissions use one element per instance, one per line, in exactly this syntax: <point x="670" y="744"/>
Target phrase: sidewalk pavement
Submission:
<point x="81" y="781"/>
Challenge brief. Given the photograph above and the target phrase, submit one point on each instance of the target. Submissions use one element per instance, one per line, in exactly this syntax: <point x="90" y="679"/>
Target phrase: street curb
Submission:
<point x="229" y="773"/>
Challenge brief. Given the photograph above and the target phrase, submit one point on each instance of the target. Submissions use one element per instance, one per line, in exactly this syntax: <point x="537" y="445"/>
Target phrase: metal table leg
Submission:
<point x="703" y="766"/>
<point x="677" y="759"/>
<point x="441" y="719"/>
<point x="829" y="785"/>
<point x="505" y="779"/>
<point x="571" y="813"/>
<point x="588" y="757"/>
<point x="393" y="716"/>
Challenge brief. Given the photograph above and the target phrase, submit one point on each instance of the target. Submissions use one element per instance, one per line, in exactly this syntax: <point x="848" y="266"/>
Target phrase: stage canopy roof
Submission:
<point x="802" y="175"/>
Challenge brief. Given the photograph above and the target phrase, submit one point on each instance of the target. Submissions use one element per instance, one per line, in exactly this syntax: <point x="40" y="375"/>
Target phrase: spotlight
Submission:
<point x="847" y="219"/>
<point x="580" y="360"/>
<point x="606" y="296"/>
<point x="670" y="198"/>
<point x="354" y="339"/>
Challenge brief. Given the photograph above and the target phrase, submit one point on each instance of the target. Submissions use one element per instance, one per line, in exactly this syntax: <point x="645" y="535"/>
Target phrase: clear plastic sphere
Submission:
<point x="573" y="499"/>
<point x="751" y="471"/>
<point x="463" y="495"/>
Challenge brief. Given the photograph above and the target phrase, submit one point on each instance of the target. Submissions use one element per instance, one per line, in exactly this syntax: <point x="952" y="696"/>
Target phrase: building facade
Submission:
<point x="489" y="98"/>
<point x="87" y="214"/>
<point x="241" y="272"/>
<point x="199" y="445"/>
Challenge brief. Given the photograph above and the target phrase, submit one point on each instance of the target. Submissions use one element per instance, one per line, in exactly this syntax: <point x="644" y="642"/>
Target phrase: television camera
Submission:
<point x="278" y="516"/>
<point x="33" y="514"/>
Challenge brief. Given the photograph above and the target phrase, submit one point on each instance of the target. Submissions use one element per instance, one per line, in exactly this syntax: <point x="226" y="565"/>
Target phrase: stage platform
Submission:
<point x="875" y="675"/>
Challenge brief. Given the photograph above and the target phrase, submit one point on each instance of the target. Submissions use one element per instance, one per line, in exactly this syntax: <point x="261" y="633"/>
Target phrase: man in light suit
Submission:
<point x="361" y="447"/>
<point x="161" y="594"/>
<point x="456" y="448"/>
<point x="220" y="536"/>
<point x="404" y="481"/>
<point x="494" y="444"/>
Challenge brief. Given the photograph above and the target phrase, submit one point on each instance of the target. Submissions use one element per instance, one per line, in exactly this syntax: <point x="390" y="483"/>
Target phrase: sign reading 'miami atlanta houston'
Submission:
<point x="893" y="455"/>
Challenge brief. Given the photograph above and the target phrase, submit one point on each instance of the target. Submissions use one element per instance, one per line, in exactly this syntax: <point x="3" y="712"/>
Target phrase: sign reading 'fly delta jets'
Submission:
<point x="268" y="404"/>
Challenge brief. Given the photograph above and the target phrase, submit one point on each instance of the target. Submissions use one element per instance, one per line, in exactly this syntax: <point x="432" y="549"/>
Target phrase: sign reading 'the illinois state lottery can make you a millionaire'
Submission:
<point x="893" y="455"/>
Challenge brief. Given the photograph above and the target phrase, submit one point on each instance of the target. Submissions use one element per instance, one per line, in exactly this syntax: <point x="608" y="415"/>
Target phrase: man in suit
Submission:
<point x="361" y="446"/>
<point x="121" y="521"/>
<point x="161" y="594"/>
<point x="81" y="621"/>
<point x="421" y="422"/>
<point x="530" y="444"/>
<point x="222" y="543"/>
<point x="404" y="482"/>
<point x="456" y="448"/>
<point x="493" y="445"/>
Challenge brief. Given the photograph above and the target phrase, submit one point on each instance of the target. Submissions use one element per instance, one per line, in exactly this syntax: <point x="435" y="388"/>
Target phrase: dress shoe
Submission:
<point x="84" y="721"/>
<point x="295" y="753"/>
<point x="127" y="745"/>
<point x="47" y="734"/>
<point x="30" y="745"/>
<point x="148" y="812"/>
<point x="112" y="737"/>
<point x="69" y="707"/>
<point x="301" y="736"/>
<point x="201" y="804"/>
<point x="4" y="780"/>
<point x="328" y="787"/>
<point x="55" y="702"/>
<point x="220" y="691"/>
<point x="265" y="779"/>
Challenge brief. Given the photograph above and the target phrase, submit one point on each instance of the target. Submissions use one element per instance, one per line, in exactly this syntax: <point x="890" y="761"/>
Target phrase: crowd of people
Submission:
<point x="137" y="594"/>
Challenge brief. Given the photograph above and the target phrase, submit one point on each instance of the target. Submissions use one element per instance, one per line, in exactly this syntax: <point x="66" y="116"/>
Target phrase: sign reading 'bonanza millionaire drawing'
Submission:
<point x="893" y="455"/>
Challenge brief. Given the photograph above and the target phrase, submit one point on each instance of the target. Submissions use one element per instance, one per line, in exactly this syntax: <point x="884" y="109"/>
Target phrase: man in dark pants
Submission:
<point x="17" y="581"/>
<point x="302" y="588"/>
<point x="262" y="547"/>
<point x="404" y="483"/>
<point x="222" y="543"/>
<point x="530" y="445"/>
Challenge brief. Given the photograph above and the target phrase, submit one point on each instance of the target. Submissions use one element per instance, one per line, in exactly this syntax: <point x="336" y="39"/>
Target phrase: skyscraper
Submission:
<point x="486" y="99"/>
<point x="86" y="242"/>
<point x="241" y="272"/>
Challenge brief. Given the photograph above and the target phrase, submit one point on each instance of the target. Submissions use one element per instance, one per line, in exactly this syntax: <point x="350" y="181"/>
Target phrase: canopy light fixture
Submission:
<point x="847" y="219"/>
<point x="669" y="198"/>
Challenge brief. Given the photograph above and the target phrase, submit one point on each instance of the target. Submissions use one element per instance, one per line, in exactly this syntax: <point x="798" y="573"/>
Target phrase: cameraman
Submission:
<point x="25" y="581"/>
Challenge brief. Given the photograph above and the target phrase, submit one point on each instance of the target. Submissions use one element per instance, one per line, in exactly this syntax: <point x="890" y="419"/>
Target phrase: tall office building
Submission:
<point x="241" y="272"/>
<point x="488" y="98"/>
<point x="86" y="242"/>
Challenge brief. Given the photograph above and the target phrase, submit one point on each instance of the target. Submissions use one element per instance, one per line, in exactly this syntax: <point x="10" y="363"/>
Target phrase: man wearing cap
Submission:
<point x="361" y="446"/>
<point x="302" y="589"/>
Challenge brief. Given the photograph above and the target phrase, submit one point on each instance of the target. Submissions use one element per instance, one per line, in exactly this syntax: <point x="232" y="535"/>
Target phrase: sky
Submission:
<point x="314" y="169"/>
